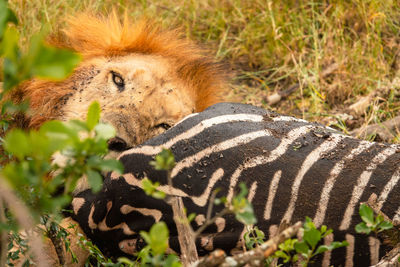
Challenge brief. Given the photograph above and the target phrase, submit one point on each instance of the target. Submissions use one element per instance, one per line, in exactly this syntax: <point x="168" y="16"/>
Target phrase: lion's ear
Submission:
<point x="90" y="35"/>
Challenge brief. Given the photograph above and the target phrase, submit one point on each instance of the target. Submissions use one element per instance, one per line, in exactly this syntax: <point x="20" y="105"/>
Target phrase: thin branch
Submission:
<point x="253" y="257"/>
<point x="211" y="204"/>
<point x="214" y="259"/>
<point x="185" y="232"/>
<point x="265" y="250"/>
<point x="391" y="259"/>
<point x="24" y="219"/>
<point x="208" y="222"/>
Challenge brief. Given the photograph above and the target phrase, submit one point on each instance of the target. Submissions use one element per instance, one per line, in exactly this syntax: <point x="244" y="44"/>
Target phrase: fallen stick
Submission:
<point x="385" y="129"/>
<point x="263" y="251"/>
<point x="278" y="96"/>
<point x="391" y="259"/>
<point x="253" y="257"/>
<point x="214" y="259"/>
<point x="185" y="232"/>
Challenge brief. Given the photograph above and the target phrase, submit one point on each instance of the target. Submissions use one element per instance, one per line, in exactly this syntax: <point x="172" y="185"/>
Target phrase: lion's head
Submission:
<point x="145" y="78"/>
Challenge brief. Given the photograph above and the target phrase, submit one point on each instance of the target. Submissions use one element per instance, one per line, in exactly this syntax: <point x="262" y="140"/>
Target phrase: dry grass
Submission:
<point x="271" y="45"/>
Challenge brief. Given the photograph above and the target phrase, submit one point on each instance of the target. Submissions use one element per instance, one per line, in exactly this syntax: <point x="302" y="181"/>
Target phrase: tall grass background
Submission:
<point x="271" y="45"/>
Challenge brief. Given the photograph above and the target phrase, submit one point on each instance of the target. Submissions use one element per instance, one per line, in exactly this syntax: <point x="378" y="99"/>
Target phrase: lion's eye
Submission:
<point x="118" y="81"/>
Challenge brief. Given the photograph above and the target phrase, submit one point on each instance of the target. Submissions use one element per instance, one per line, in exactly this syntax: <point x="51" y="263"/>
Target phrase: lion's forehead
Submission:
<point x="152" y="63"/>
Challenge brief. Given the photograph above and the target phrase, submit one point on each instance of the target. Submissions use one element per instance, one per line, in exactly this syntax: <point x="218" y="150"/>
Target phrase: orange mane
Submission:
<point x="95" y="36"/>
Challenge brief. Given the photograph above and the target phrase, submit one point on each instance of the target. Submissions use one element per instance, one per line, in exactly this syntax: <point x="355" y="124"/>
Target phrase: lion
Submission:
<point x="144" y="77"/>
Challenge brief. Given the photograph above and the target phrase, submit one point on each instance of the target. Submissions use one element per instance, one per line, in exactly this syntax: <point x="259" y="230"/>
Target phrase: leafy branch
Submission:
<point x="371" y="223"/>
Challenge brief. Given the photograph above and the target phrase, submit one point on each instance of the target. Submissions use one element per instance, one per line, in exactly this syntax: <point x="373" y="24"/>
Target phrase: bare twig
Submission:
<point x="22" y="214"/>
<point x="211" y="204"/>
<point x="390" y="259"/>
<point x="4" y="239"/>
<point x="210" y="221"/>
<point x="185" y="232"/>
<point x="214" y="259"/>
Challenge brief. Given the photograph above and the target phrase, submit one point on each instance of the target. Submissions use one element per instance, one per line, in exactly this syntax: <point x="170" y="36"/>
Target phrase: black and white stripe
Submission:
<point x="293" y="169"/>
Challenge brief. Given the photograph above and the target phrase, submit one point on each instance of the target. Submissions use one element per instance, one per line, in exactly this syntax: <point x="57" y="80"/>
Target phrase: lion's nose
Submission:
<point x="117" y="144"/>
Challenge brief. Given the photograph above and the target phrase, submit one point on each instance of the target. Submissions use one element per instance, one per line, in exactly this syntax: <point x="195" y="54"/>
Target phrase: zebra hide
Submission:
<point x="293" y="168"/>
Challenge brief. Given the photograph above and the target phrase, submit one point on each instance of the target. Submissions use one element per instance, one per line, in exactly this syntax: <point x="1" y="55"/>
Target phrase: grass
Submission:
<point x="271" y="45"/>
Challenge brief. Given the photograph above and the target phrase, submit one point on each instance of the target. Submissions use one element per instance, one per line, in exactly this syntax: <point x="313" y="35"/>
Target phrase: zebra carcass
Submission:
<point x="293" y="168"/>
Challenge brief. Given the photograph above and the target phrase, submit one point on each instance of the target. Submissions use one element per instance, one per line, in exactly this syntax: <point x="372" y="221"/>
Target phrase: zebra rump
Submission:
<point x="293" y="168"/>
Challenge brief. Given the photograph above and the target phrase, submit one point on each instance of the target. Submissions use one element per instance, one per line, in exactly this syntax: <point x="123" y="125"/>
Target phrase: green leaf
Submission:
<point x="158" y="238"/>
<point x="260" y="234"/>
<point x="126" y="261"/>
<point x="165" y="160"/>
<point x="243" y="190"/>
<point x="10" y="44"/>
<point x="282" y="255"/>
<point x="76" y="126"/>
<point x="6" y="16"/>
<point x="93" y="115"/>
<point x="57" y="133"/>
<point x="367" y="214"/>
<point x="312" y="237"/>
<point x="148" y="186"/>
<point x="16" y="142"/>
<point x="246" y="215"/>
<point x="95" y="180"/>
<point x="191" y="216"/>
<point x="308" y="224"/>
<point x="150" y="189"/>
<point x="321" y="249"/>
<point x="10" y="52"/>
<point x="329" y="231"/>
<point x="301" y="247"/>
<point x="54" y="63"/>
<point x="385" y="226"/>
<point x="111" y="165"/>
<point x="363" y="228"/>
<point x="158" y="194"/>
<point x="172" y="261"/>
<point x="104" y="131"/>
<point x="335" y="245"/>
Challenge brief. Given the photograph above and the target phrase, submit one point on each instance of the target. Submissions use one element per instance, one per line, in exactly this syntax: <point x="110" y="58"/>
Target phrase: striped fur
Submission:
<point x="293" y="169"/>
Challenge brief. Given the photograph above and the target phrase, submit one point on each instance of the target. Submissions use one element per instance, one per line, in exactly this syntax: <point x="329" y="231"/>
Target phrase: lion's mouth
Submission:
<point x="164" y="126"/>
<point x="117" y="144"/>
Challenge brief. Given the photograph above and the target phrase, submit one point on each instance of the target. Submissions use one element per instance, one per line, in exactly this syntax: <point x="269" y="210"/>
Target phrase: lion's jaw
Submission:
<point x="151" y="99"/>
